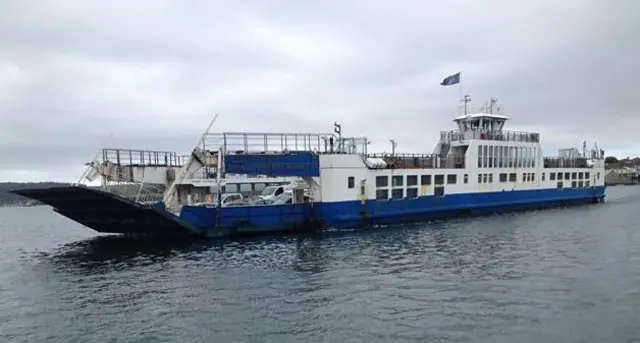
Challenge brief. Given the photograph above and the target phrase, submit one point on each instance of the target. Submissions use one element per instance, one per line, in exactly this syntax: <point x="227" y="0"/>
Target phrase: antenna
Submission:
<point x="492" y="103"/>
<point x="466" y="100"/>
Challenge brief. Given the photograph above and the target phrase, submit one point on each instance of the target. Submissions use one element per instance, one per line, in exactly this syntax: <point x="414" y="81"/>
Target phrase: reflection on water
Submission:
<point x="564" y="275"/>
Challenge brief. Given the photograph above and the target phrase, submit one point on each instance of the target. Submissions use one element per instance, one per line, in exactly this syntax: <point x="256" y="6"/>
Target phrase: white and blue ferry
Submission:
<point x="335" y="182"/>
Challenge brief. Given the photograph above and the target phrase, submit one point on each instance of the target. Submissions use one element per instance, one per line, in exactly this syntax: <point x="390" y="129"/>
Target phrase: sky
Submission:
<point x="77" y="76"/>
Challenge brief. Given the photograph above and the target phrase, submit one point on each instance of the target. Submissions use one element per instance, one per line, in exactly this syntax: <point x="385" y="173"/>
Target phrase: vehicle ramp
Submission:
<point x="109" y="213"/>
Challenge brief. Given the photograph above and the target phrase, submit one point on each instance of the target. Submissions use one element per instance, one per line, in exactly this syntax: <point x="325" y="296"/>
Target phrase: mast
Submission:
<point x="466" y="100"/>
<point x="492" y="103"/>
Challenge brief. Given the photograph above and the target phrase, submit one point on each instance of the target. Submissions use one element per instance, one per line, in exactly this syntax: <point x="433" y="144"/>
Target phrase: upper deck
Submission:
<point x="501" y="136"/>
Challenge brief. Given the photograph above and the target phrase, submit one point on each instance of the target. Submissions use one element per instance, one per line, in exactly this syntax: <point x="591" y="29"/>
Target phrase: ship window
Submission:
<point x="587" y="183"/>
<point x="574" y="176"/>
<point x="511" y="157"/>
<point x="524" y="177"/>
<point x="439" y="180"/>
<point x="580" y="175"/>
<point x="412" y="192"/>
<point x="382" y="194"/>
<point x="491" y="178"/>
<point x="452" y="179"/>
<point x="412" y="180"/>
<point x="479" y="178"/>
<point x="560" y="176"/>
<point x="533" y="177"/>
<point x="598" y="175"/>
<point x="496" y="153"/>
<point x="559" y="184"/>
<point x="520" y="156"/>
<point x="535" y="157"/>
<point x="425" y="180"/>
<point x="479" y="156"/>
<point x="552" y="176"/>
<point x="490" y="157"/>
<point x="382" y="181"/>
<point x="466" y="178"/>
<point x="438" y="191"/>
<point x="513" y="177"/>
<point x="397" y="193"/>
<point x="351" y="182"/>
<point x="574" y="184"/>
<point x="397" y="180"/>
<point x="580" y="184"/>
<point x="542" y="176"/>
<point x="503" y="177"/>
<point x="484" y="155"/>
<point x="567" y="176"/>
<point x="484" y="178"/>
<point x="586" y="175"/>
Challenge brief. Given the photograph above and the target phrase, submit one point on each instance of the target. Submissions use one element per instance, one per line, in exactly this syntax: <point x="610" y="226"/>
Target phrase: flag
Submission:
<point x="451" y="80"/>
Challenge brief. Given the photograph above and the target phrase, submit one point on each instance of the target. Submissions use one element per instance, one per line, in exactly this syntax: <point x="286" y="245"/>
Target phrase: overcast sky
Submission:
<point x="153" y="72"/>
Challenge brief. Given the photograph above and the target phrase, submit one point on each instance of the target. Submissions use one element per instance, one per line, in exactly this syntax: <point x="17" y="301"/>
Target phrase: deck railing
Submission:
<point x="279" y="143"/>
<point x="142" y="157"/>
<point x="504" y="135"/>
<point x="420" y="161"/>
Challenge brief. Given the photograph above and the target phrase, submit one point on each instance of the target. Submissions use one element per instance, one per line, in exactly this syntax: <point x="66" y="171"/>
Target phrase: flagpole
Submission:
<point x="461" y="93"/>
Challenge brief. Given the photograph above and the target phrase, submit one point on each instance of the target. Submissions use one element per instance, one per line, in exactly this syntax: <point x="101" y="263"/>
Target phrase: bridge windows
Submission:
<point x="439" y="180"/>
<point x="586" y="175"/>
<point x="574" y="176"/>
<point x="580" y="175"/>
<point x="452" y="179"/>
<point x="513" y="177"/>
<point x="552" y="176"/>
<point x="351" y="182"/>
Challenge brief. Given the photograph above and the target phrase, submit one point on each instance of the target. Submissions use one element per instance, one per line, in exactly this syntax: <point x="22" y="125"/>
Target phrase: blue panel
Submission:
<point x="351" y="214"/>
<point x="290" y="164"/>
<point x="249" y="219"/>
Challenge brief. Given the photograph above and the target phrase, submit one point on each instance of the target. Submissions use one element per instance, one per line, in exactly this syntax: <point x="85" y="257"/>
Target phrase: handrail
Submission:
<point x="503" y="135"/>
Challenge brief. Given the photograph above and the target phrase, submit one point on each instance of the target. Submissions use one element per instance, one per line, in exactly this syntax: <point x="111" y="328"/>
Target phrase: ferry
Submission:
<point x="328" y="182"/>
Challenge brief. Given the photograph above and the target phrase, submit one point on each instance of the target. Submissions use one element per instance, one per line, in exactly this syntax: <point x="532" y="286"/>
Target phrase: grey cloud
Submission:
<point x="154" y="73"/>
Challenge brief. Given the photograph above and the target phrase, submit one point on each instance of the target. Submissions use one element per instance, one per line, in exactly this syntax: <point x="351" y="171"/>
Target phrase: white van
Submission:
<point x="273" y="192"/>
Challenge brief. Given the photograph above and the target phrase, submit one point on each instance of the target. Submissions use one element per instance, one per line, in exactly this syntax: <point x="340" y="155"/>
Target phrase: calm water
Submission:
<point x="565" y="275"/>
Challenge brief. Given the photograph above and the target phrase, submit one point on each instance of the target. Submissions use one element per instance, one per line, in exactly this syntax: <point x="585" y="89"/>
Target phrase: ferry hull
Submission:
<point x="350" y="214"/>
<point x="108" y="213"/>
<point x="235" y="221"/>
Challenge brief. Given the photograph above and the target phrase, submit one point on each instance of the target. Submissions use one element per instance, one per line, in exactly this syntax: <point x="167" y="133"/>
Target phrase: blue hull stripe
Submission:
<point x="353" y="214"/>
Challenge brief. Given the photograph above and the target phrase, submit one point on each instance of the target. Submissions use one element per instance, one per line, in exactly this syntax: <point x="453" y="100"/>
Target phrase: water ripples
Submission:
<point x="565" y="275"/>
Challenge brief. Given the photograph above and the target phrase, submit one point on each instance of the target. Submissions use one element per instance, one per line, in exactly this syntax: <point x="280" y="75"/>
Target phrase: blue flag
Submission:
<point x="451" y="80"/>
